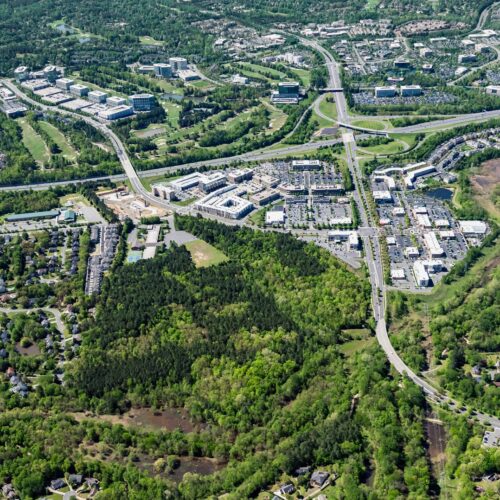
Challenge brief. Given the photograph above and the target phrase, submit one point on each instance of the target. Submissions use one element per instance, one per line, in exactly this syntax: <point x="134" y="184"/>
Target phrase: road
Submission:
<point x="369" y="237"/>
<point x="55" y="312"/>
<point x="371" y="241"/>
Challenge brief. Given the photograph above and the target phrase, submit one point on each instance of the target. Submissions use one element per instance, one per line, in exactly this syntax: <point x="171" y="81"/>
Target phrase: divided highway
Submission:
<point x="368" y="231"/>
<point x="369" y="234"/>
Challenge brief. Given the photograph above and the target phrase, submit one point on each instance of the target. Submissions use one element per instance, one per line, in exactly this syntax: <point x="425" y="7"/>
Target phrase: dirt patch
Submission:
<point x="149" y="419"/>
<point x="436" y="438"/>
<point x="484" y="183"/>
<point x="32" y="350"/>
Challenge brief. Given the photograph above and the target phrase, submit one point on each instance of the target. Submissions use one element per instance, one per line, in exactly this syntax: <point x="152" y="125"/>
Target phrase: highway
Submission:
<point x="371" y="241"/>
<point x="369" y="236"/>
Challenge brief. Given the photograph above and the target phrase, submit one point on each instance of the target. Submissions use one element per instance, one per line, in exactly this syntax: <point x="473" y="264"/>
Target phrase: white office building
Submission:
<point x="225" y="203"/>
<point x="473" y="227"/>
<point x="97" y="96"/>
<point x="178" y="64"/>
<point x="432" y="243"/>
<point x="116" y="101"/>
<point x="117" y="112"/>
<point x="164" y="191"/>
<point x="79" y="90"/>
<point x="64" y="83"/>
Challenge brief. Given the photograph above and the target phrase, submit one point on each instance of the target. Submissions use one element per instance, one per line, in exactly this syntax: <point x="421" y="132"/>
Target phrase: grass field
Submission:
<point x="148" y="40"/>
<point x="360" y="339"/>
<point x="385" y="149"/>
<point x="277" y="118"/>
<point x="328" y="108"/>
<point x="34" y="143"/>
<point x="205" y="255"/>
<point x="371" y="124"/>
<point x="58" y="137"/>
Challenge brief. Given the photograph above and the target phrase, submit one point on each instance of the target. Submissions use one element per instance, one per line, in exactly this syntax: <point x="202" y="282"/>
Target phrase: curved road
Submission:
<point x="369" y="233"/>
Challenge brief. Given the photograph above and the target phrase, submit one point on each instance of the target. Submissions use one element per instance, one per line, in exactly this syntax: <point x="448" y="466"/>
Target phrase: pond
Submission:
<point x="441" y="194"/>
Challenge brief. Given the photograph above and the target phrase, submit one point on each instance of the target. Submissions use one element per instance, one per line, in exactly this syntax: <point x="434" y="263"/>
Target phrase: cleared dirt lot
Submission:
<point x="484" y="183"/>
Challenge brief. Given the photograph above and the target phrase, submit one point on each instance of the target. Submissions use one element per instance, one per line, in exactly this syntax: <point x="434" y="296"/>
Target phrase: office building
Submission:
<point x="51" y="73"/>
<point x="422" y="268"/>
<point x="178" y="64"/>
<point x="79" y="90"/>
<point x="188" y="75"/>
<point x="21" y="73"/>
<point x="397" y="274"/>
<point x="117" y="112"/>
<point x="467" y="58"/>
<point x="340" y="235"/>
<point x="225" y="203"/>
<point x="402" y="63"/>
<point x="433" y="245"/>
<point x="264" y="197"/>
<point x="411" y="90"/>
<point x="473" y="227"/>
<point x="382" y="196"/>
<point x="64" y="83"/>
<point x="164" y="191"/>
<point x="423" y="221"/>
<point x="116" y="101"/>
<point x="287" y="93"/>
<point x="163" y="70"/>
<point x="211" y="182"/>
<point x="142" y="102"/>
<point x="327" y="189"/>
<point x="385" y="91"/>
<point x="411" y="252"/>
<point x="97" y="96"/>
<point x="275" y="216"/>
<point x="306" y="165"/>
<point x="237" y="176"/>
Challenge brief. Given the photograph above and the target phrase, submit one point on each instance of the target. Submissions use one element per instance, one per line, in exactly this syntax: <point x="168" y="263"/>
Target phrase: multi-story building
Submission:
<point x="64" y="83"/>
<point x="467" y="58"/>
<point x="411" y="90"/>
<point x="178" y="64"/>
<point x="117" y="112"/>
<point x="79" y="90"/>
<point x="97" y="96"/>
<point x="288" y="92"/>
<point x="237" y="176"/>
<point x="116" y="101"/>
<point x="163" y="70"/>
<point x="385" y="91"/>
<point x="142" y="102"/>
<point x="306" y="165"/>
<point x="264" y="197"/>
<point x="21" y="73"/>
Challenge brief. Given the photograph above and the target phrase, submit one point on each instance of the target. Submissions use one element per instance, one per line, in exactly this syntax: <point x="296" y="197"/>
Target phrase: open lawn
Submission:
<point x="304" y="75"/>
<point x="34" y="143"/>
<point x="257" y="68"/>
<point x="205" y="255"/>
<point x="277" y="118"/>
<point x="385" y="149"/>
<point x="328" y="108"/>
<point x="371" y="124"/>
<point x="148" y="40"/>
<point x="58" y="137"/>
